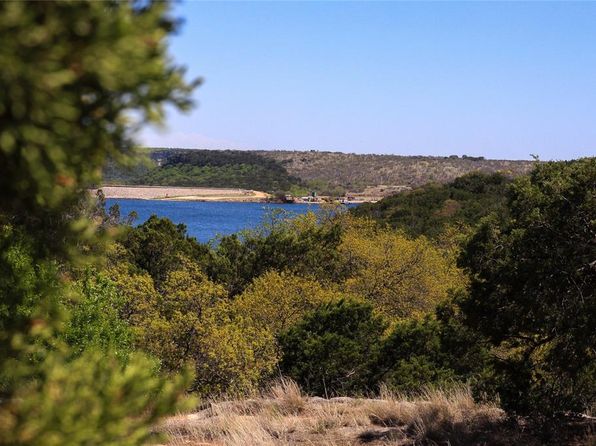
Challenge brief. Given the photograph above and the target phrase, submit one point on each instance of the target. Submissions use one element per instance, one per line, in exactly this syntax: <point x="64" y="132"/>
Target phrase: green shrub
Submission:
<point x="95" y="318"/>
<point x="329" y="352"/>
<point x="304" y="246"/>
<point x="430" y="209"/>
<point x="158" y="247"/>
<point x="437" y="350"/>
<point x="92" y="399"/>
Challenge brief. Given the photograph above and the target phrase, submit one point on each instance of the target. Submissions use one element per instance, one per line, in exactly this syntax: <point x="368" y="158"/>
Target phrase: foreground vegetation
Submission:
<point x="346" y="306"/>
<point x="75" y="73"/>
<point x="343" y="305"/>
<point x="106" y="327"/>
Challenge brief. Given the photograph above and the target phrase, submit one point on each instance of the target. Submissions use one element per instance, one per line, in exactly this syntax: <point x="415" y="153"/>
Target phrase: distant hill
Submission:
<point x="329" y="173"/>
<point x="207" y="168"/>
<point x="429" y="209"/>
<point x="355" y="172"/>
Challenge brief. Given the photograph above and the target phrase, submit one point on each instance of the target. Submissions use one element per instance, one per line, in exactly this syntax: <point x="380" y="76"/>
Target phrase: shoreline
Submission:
<point x="182" y="193"/>
<point x="206" y="194"/>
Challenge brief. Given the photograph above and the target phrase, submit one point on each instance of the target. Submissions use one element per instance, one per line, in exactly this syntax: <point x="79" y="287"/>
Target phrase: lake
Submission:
<point x="206" y="220"/>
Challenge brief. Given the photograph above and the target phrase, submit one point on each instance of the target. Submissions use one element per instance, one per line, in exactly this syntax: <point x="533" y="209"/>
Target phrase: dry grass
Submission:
<point x="284" y="416"/>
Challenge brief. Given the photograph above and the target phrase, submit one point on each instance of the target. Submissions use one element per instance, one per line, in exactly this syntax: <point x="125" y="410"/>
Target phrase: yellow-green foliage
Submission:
<point x="92" y="400"/>
<point x="189" y="321"/>
<point x="187" y="290"/>
<point x="232" y="343"/>
<point x="277" y="300"/>
<point x="235" y="355"/>
<point x="139" y="292"/>
<point x="402" y="277"/>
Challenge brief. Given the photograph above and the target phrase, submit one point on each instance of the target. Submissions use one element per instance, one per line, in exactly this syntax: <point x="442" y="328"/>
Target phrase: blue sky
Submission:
<point x="501" y="80"/>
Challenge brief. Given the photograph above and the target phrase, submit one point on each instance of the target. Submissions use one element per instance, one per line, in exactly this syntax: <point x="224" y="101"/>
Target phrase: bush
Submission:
<point x="402" y="277"/>
<point x="430" y="209"/>
<point x="74" y="73"/>
<point x="437" y="350"/>
<point x="189" y="322"/>
<point x="92" y="399"/>
<point x="329" y="352"/>
<point x="158" y="246"/>
<point x="275" y="301"/>
<point x="95" y="318"/>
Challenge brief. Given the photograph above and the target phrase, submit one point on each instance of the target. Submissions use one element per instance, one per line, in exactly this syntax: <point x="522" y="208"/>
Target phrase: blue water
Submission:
<point x="206" y="220"/>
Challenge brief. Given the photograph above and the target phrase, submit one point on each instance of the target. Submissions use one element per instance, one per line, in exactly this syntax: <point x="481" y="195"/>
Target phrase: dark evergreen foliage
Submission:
<point x="73" y="73"/>
<point x="429" y="209"/>
<point x="331" y="350"/>
<point x="208" y="168"/>
<point x="437" y="350"/>
<point x="533" y="289"/>
<point x="310" y="252"/>
<point x="158" y="245"/>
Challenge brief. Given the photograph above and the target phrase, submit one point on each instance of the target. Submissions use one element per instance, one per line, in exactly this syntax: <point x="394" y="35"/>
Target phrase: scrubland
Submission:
<point x="299" y="172"/>
<point x="356" y="171"/>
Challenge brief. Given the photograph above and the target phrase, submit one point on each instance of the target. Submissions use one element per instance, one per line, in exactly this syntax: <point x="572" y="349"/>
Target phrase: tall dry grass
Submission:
<point x="284" y="416"/>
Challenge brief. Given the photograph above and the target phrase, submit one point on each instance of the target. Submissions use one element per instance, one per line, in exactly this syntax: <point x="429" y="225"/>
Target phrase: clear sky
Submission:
<point x="501" y="80"/>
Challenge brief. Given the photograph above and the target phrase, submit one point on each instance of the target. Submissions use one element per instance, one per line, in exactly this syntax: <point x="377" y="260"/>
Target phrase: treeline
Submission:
<point x="234" y="311"/>
<point x="207" y="168"/>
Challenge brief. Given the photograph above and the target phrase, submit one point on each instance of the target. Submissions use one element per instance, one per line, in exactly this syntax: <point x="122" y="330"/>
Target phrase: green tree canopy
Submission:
<point x="533" y="288"/>
<point x="305" y="246"/>
<point x="330" y="350"/>
<point x="158" y="247"/>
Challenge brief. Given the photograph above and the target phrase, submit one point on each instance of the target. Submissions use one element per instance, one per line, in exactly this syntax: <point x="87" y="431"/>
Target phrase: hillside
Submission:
<point x="355" y="172"/>
<point x="429" y="209"/>
<point x="329" y="173"/>
<point x="207" y="168"/>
